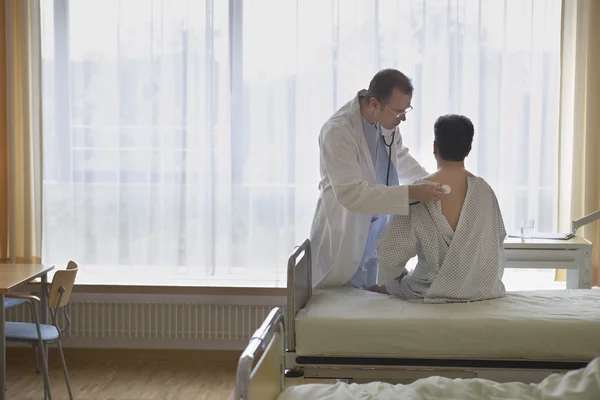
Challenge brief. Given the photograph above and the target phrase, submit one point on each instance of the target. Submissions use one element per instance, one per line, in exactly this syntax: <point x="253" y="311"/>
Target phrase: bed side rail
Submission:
<point x="263" y="380"/>
<point x="299" y="288"/>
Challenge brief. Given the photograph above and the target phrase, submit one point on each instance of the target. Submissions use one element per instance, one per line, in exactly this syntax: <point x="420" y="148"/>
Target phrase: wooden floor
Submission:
<point x="128" y="375"/>
<point x="104" y="375"/>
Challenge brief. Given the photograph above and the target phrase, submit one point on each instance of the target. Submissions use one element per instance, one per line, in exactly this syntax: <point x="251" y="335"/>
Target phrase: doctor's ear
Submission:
<point x="435" y="149"/>
<point x="373" y="103"/>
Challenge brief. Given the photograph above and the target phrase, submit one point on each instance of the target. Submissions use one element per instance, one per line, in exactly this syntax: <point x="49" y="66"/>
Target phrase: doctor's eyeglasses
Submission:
<point x="398" y="114"/>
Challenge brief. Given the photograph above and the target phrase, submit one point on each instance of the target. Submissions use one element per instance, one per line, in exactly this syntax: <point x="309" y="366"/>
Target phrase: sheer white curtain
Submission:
<point x="183" y="134"/>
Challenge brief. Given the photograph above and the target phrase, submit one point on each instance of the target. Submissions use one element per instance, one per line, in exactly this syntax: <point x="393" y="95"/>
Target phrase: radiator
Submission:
<point x="210" y="322"/>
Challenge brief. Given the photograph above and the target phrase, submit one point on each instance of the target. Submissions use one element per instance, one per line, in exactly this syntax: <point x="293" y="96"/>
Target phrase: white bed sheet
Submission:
<point x="535" y="325"/>
<point x="583" y="384"/>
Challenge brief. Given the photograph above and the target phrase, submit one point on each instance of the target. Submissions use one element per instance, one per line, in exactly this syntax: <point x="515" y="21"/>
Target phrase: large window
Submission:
<point x="180" y="137"/>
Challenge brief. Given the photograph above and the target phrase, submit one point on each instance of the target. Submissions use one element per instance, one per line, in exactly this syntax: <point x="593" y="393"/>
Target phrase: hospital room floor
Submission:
<point x="115" y="377"/>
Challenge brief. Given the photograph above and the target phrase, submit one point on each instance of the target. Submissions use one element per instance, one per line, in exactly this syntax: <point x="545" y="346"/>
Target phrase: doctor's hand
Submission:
<point x="425" y="192"/>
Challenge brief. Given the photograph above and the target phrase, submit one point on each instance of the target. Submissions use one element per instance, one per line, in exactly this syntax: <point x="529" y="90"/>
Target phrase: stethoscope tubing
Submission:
<point x="389" y="146"/>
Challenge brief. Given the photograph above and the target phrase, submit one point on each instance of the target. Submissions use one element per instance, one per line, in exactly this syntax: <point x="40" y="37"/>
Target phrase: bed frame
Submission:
<point x="260" y="372"/>
<point x="393" y="370"/>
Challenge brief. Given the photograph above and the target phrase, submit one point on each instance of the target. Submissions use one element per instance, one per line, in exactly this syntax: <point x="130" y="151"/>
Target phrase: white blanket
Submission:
<point x="575" y="385"/>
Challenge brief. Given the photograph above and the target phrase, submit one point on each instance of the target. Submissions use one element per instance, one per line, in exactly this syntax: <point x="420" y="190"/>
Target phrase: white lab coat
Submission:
<point x="349" y="195"/>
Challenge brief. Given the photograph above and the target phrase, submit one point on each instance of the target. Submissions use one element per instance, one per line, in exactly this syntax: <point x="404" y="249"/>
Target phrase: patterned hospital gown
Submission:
<point x="453" y="266"/>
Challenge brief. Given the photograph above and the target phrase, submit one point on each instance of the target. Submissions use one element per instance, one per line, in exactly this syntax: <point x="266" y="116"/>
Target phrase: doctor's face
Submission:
<point x="391" y="113"/>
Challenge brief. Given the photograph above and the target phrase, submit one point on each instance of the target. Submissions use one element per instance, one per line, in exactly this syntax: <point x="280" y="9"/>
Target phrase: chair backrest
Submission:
<point x="62" y="283"/>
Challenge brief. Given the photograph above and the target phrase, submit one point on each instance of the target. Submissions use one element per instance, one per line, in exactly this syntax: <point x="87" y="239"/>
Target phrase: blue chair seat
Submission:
<point x="27" y="332"/>
<point x="10" y="302"/>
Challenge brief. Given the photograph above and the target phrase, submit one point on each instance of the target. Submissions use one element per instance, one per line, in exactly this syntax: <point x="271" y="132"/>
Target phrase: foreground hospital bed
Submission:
<point x="260" y="375"/>
<point x="347" y="333"/>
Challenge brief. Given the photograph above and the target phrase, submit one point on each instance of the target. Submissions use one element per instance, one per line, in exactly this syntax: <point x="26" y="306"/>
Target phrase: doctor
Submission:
<point x="362" y="163"/>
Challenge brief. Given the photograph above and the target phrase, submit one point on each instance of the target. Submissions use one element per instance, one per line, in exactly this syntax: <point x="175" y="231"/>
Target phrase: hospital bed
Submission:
<point x="260" y="376"/>
<point x="356" y="335"/>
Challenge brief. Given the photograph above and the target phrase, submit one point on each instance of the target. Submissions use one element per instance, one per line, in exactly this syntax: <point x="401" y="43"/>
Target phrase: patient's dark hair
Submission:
<point x="453" y="136"/>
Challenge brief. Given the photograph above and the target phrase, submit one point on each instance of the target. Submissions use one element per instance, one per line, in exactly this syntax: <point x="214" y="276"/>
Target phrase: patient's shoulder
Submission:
<point x="480" y="183"/>
<point x="483" y="189"/>
<point x="428" y="179"/>
<point x="441" y="176"/>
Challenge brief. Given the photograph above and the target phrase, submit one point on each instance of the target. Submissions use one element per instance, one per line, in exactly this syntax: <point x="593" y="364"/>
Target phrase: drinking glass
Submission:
<point x="527" y="226"/>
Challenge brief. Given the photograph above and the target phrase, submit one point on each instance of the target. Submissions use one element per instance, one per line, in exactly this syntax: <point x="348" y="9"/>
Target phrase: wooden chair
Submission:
<point x="38" y="334"/>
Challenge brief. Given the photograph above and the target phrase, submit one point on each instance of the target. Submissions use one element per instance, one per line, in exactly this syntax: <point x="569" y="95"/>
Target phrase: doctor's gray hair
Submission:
<point x="385" y="81"/>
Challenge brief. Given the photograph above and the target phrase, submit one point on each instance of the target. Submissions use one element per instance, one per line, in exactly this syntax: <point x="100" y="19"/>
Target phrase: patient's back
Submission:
<point x="465" y="264"/>
<point x="452" y="203"/>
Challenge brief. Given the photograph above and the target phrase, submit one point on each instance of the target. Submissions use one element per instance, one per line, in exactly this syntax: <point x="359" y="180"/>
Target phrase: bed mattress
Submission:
<point x="529" y="325"/>
<point x="575" y="385"/>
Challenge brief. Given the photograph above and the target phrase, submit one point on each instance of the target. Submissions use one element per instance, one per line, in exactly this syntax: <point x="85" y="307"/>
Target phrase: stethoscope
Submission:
<point x="389" y="146"/>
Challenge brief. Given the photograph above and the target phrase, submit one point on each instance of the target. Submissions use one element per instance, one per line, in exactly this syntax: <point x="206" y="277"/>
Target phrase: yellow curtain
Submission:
<point x="579" y="168"/>
<point x="20" y="132"/>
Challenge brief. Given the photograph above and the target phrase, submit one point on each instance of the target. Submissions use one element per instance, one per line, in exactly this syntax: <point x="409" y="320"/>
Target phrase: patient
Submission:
<point x="458" y="240"/>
